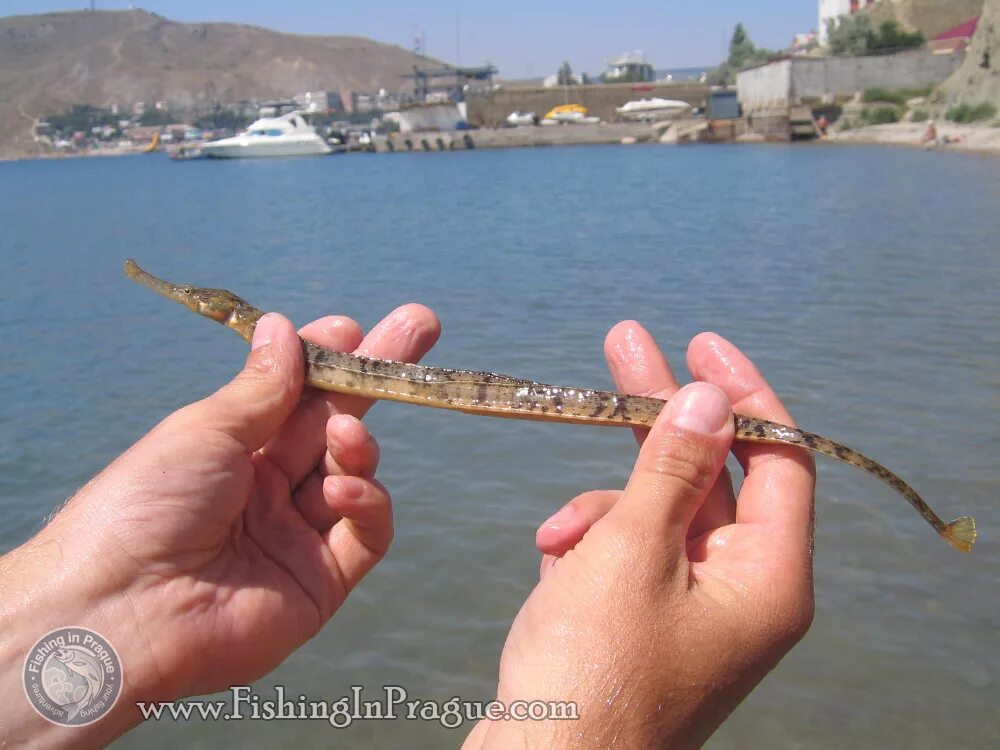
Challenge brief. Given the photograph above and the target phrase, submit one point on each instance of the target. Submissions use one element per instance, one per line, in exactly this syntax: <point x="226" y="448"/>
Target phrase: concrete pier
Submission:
<point x="520" y="137"/>
<point x="602" y="100"/>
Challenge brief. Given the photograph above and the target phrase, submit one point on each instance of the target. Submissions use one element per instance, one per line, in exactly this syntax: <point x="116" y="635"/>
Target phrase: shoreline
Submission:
<point x="979" y="139"/>
<point x="58" y="155"/>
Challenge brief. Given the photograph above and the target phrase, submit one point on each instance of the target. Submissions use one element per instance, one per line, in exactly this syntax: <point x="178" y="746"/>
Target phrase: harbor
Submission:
<point x="800" y="94"/>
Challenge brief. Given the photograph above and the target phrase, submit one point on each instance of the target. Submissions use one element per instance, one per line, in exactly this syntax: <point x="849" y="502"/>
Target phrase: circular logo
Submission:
<point x="72" y="676"/>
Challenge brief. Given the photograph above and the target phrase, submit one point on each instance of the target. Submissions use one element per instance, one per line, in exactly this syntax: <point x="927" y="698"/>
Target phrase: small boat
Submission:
<point x="186" y="152"/>
<point x="288" y="135"/>
<point x="521" y="118"/>
<point x="650" y="109"/>
<point x="569" y="113"/>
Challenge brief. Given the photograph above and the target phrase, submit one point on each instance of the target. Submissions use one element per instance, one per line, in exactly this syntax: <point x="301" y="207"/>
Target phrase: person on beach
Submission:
<point x="930" y="135"/>
<point x="230" y="534"/>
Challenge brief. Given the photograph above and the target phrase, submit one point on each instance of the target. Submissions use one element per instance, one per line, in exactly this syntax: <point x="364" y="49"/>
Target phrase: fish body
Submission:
<point x="495" y="395"/>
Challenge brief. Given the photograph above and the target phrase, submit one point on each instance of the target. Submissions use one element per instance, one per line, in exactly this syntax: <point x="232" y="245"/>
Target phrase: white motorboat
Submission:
<point x="521" y="118"/>
<point x="648" y="109"/>
<point x="288" y="135"/>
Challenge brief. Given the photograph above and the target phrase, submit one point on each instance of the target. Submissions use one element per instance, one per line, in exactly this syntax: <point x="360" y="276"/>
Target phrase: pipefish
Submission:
<point x="490" y="394"/>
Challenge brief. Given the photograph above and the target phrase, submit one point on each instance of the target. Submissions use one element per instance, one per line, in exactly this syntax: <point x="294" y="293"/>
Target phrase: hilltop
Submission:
<point x="49" y="62"/>
<point x="931" y="17"/>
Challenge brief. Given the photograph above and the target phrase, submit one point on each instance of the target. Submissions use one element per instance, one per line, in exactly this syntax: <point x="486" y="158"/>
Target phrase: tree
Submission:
<point x="891" y="36"/>
<point x="157" y="117"/>
<point x="741" y="49"/>
<point x="743" y="54"/>
<point x="856" y="35"/>
<point x="81" y="117"/>
<point x="565" y="74"/>
<point x="222" y="119"/>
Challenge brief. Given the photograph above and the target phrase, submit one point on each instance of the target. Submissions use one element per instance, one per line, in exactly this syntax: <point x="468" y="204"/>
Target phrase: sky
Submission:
<point x="523" y="38"/>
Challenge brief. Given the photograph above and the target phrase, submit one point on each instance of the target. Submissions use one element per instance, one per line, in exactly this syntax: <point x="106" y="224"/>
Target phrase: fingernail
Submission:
<point x="700" y="407"/>
<point x="350" y="487"/>
<point x="563" y="518"/>
<point x="265" y="330"/>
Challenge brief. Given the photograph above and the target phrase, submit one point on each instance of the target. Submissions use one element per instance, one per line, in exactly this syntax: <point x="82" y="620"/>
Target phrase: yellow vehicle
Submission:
<point x="568" y="113"/>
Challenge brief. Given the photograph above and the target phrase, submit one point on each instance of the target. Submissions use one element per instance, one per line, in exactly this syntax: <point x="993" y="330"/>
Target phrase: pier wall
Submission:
<point x="802" y="80"/>
<point x="601" y="99"/>
<point x="521" y="137"/>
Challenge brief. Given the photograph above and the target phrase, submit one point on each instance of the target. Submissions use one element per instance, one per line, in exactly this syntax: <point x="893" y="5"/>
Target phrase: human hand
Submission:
<point x="227" y="536"/>
<point x="661" y="607"/>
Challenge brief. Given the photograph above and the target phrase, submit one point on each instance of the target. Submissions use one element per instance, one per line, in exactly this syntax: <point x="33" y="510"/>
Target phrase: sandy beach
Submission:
<point x="980" y="138"/>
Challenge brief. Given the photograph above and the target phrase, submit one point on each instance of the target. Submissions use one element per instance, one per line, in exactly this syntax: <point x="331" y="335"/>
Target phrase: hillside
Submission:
<point x="932" y="17"/>
<point x="973" y="83"/>
<point x="50" y="61"/>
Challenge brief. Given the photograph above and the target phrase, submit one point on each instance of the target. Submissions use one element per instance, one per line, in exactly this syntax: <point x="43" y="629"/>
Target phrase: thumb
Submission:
<point x="253" y="405"/>
<point x="679" y="463"/>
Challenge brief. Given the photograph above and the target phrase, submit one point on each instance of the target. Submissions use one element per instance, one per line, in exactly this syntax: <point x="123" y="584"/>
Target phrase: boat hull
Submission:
<point x="254" y="148"/>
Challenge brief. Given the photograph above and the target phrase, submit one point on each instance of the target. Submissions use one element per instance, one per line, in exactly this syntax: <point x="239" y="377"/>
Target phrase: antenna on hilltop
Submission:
<point x="93" y="5"/>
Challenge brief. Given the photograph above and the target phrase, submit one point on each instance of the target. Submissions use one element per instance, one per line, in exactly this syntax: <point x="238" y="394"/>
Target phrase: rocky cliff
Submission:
<point x="978" y="80"/>
<point x="931" y="17"/>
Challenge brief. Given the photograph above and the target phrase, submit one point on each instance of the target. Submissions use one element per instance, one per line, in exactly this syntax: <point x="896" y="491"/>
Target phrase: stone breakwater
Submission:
<point x="521" y="137"/>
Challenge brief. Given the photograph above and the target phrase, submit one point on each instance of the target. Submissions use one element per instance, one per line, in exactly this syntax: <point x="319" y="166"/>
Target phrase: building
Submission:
<point x="630" y="67"/>
<point x="803" y="42"/>
<point x="831" y="10"/>
<point x="954" y="40"/>
<point x="141" y="136"/>
<point x="277" y="108"/>
<point x="553" y="80"/>
<point x="429" y="84"/>
<point x="723" y="104"/>
<point x="797" y="81"/>
<point x="322" y="102"/>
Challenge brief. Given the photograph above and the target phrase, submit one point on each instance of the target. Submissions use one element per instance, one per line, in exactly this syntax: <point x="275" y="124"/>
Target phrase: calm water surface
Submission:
<point x="864" y="282"/>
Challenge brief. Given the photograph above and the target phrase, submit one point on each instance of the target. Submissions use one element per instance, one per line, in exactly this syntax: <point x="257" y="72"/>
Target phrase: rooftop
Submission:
<point x="629" y="58"/>
<point x="962" y="31"/>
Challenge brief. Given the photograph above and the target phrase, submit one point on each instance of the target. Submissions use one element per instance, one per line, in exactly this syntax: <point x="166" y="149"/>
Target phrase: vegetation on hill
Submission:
<point x="743" y="54"/>
<point x="899" y="97"/>
<point x="856" y="35"/>
<point x="966" y="113"/>
<point x="931" y="17"/>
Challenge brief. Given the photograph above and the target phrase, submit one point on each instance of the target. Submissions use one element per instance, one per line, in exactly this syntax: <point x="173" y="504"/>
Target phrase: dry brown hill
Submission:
<point x="932" y="17"/>
<point x="978" y="80"/>
<point x="50" y="61"/>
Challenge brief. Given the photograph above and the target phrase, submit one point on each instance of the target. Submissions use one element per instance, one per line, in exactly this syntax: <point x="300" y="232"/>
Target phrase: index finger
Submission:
<point x="406" y="334"/>
<point x="780" y="480"/>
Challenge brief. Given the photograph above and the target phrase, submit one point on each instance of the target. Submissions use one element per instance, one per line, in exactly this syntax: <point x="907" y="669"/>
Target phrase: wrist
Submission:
<point x="49" y="584"/>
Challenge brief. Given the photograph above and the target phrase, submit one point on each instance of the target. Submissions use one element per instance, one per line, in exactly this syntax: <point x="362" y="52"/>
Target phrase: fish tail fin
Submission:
<point x="961" y="533"/>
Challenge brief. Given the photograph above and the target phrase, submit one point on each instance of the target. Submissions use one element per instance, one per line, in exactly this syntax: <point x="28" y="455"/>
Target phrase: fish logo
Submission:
<point x="72" y="676"/>
<point x="83" y="664"/>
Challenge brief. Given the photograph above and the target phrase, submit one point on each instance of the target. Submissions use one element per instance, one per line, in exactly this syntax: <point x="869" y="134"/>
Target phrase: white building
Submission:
<point x="318" y="101"/>
<point x="552" y="81"/>
<point x="830" y="10"/>
<point x="630" y="66"/>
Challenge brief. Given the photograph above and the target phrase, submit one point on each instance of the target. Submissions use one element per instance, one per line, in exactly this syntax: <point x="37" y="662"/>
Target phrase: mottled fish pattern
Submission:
<point x="492" y="394"/>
